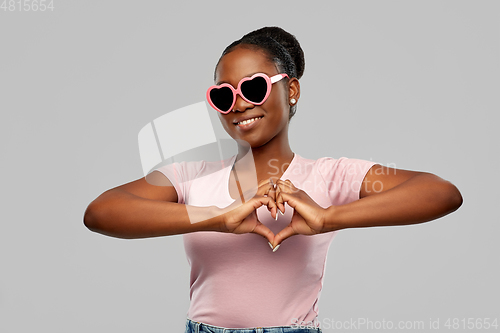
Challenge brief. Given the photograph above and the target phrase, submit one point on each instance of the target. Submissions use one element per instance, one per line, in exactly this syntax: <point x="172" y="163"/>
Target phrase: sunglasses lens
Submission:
<point x="222" y="98"/>
<point x="254" y="90"/>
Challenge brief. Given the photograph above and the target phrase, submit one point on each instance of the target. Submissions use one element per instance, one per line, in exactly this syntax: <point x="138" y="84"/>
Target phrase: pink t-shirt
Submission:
<point x="237" y="281"/>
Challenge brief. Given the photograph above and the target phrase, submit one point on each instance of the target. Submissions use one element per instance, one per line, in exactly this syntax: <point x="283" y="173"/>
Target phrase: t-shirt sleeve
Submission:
<point x="182" y="175"/>
<point x="176" y="174"/>
<point x="343" y="177"/>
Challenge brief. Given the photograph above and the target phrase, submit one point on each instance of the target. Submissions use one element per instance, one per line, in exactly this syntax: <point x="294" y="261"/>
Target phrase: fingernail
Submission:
<point x="281" y="212"/>
<point x="277" y="246"/>
<point x="276" y="218"/>
<point x="270" y="244"/>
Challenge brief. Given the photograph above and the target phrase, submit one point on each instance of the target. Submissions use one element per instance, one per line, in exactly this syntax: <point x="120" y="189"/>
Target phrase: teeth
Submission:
<point x="248" y="121"/>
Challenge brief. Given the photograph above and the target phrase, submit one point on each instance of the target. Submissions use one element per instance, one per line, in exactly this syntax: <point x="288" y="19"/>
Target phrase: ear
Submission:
<point x="294" y="89"/>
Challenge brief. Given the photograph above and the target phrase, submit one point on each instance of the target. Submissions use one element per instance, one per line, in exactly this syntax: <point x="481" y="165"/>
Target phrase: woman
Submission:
<point x="286" y="200"/>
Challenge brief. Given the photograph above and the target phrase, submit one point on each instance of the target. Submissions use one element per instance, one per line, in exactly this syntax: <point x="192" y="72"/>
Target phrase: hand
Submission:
<point x="308" y="217"/>
<point x="240" y="218"/>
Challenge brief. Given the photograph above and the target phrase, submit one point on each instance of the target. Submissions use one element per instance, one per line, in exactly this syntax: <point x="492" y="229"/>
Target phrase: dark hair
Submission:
<point x="281" y="47"/>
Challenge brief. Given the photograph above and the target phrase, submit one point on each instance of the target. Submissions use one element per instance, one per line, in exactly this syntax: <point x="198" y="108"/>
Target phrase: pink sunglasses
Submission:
<point x="255" y="90"/>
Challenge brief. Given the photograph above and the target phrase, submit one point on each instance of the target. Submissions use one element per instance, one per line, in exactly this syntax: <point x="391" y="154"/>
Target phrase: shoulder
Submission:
<point x="342" y="167"/>
<point x="331" y="164"/>
<point x="190" y="170"/>
<point x="182" y="171"/>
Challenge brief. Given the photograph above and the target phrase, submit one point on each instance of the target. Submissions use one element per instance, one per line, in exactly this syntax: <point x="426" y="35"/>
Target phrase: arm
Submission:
<point x="391" y="196"/>
<point x="139" y="210"/>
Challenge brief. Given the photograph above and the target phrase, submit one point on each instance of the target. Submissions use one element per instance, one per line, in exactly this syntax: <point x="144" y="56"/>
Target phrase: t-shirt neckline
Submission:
<point x="230" y="167"/>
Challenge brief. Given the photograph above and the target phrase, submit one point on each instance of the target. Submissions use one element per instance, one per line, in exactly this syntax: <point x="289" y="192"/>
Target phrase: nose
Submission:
<point x="241" y="105"/>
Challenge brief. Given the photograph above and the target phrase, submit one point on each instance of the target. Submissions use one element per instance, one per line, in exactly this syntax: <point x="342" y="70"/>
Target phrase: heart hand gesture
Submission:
<point x="308" y="217"/>
<point x="241" y="217"/>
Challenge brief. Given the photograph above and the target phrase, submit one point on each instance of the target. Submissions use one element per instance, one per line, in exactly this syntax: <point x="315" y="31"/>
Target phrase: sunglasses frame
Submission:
<point x="269" y="81"/>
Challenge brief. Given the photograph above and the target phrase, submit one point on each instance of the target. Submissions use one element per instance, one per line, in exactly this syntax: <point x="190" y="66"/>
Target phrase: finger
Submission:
<point x="264" y="231"/>
<point x="288" y="183"/>
<point x="272" y="189"/>
<point x="248" y="207"/>
<point x="273" y="208"/>
<point x="292" y="187"/>
<point x="290" y="199"/>
<point x="282" y="235"/>
<point x="258" y="201"/>
<point x="269" y="202"/>
<point x="264" y="181"/>
<point x="260" y="190"/>
<point x="280" y="202"/>
<point x="264" y="191"/>
<point x="285" y="190"/>
<point x="285" y="186"/>
<point x="272" y="195"/>
<point x="266" y="188"/>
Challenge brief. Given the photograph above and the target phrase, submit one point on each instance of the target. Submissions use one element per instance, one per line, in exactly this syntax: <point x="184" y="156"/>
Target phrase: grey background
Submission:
<point x="413" y="84"/>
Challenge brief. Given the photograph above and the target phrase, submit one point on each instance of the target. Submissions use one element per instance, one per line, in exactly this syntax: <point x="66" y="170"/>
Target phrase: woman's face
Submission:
<point x="273" y="113"/>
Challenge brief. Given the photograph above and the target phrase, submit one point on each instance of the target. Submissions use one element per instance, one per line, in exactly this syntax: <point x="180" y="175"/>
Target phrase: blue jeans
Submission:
<point x="196" y="327"/>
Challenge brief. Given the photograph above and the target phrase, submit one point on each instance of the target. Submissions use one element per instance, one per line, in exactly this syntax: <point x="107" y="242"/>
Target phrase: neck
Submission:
<point x="272" y="158"/>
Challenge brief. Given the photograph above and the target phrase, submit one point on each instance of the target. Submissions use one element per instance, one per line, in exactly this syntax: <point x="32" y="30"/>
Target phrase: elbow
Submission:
<point x="454" y="196"/>
<point x="459" y="199"/>
<point x="90" y="219"/>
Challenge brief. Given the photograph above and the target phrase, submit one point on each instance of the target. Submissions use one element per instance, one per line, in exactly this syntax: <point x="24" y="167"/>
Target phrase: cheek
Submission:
<point x="223" y="121"/>
<point x="279" y="102"/>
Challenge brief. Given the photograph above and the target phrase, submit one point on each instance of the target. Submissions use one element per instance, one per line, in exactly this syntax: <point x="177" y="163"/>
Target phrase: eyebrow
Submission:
<point x="221" y="82"/>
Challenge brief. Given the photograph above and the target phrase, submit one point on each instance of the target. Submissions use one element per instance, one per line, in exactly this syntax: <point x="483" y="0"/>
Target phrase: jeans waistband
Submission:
<point x="198" y="327"/>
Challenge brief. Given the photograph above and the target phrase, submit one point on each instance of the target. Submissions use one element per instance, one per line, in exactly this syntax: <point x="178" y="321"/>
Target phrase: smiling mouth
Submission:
<point x="248" y="121"/>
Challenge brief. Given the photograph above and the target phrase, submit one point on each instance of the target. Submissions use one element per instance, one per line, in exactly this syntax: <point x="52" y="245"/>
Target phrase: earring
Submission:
<point x="293" y="101"/>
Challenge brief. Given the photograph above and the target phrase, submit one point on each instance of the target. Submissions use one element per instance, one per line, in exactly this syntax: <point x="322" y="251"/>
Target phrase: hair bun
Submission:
<point x="288" y="41"/>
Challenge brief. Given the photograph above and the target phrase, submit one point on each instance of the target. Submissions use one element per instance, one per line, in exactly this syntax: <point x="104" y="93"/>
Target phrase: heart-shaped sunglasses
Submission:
<point x="255" y="90"/>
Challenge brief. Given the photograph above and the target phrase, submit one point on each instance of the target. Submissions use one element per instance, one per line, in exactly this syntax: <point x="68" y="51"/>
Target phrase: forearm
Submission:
<point x="124" y="215"/>
<point x="420" y="199"/>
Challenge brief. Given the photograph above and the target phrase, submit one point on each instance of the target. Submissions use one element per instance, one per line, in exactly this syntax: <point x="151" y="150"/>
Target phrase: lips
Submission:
<point x="249" y="125"/>
<point x="246" y="117"/>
